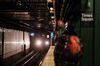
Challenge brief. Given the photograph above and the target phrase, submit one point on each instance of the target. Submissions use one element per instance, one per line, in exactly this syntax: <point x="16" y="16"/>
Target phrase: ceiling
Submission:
<point x="35" y="14"/>
<point x="68" y="10"/>
<point x="32" y="13"/>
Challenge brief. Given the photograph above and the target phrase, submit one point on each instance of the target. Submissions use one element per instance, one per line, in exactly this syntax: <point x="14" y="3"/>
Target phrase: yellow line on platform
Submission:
<point x="49" y="59"/>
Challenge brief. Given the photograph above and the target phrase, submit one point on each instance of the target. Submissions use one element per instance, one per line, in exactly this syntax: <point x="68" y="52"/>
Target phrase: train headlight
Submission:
<point x="38" y="43"/>
<point x="47" y="43"/>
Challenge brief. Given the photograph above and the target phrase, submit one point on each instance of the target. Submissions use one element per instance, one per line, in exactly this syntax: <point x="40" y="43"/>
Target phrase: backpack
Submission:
<point x="73" y="45"/>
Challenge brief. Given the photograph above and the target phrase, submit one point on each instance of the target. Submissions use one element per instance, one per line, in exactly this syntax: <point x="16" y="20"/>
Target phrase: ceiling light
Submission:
<point x="19" y="2"/>
<point x="49" y="0"/>
<point x="40" y="19"/>
<point x="51" y="11"/>
<point x="51" y="8"/>
<point x="52" y="17"/>
<point x="38" y="25"/>
<point x="32" y="34"/>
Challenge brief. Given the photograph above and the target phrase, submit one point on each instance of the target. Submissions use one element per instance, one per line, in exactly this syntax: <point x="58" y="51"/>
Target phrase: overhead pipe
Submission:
<point x="66" y="9"/>
<point x="62" y="8"/>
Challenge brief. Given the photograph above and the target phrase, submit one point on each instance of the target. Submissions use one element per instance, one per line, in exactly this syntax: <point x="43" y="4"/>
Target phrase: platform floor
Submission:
<point x="49" y="59"/>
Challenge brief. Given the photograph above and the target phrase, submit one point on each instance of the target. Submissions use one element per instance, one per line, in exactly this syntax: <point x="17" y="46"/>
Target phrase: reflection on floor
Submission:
<point x="49" y="59"/>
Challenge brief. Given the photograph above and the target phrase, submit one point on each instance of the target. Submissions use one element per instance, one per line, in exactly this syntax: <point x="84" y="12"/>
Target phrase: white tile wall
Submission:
<point x="27" y="40"/>
<point x="0" y="41"/>
<point x="13" y="42"/>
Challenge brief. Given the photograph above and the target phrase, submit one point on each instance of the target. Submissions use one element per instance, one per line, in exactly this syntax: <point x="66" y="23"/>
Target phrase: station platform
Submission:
<point x="49" y="59"/>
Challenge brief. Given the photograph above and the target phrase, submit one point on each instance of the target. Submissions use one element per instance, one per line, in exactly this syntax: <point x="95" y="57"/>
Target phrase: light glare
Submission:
<point x="48" y="36"/>
<point x="51" y="9"/>
<point x="46" y="43"/>
<point x="38" y="43"/>
<point x="32" y="34"/>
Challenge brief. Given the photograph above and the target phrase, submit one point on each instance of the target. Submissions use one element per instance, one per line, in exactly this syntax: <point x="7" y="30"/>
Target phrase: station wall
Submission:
<point x="0" y="42"/>
<point x="14" y="43"/>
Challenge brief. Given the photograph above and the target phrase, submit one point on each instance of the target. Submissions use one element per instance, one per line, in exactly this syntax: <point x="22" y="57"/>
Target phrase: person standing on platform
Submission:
<point x="67" y="41"/>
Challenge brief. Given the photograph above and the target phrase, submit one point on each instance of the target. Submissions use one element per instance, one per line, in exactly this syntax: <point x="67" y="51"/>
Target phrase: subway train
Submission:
<point x="41" y="42"/>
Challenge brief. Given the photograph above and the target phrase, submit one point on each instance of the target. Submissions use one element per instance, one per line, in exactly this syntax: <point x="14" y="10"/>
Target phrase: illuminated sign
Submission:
<point x="87" y="17"/>
<point x="87" y="20"/>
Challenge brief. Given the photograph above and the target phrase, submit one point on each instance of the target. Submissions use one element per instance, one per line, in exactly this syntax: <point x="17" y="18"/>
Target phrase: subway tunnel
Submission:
<point x="29" y="29"/>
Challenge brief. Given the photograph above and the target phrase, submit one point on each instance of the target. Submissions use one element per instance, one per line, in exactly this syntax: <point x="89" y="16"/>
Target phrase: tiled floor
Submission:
<point x="49" y="59"/>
